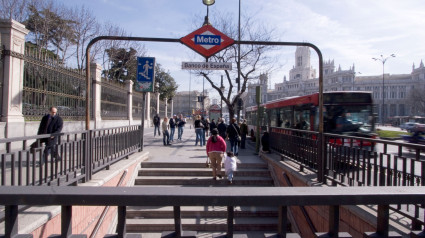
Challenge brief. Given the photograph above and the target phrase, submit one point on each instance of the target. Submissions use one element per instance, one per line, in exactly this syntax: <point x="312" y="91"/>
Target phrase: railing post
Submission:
<point x="177" y="221"/>
<point x="121" y="226"/>
<point x="333" y="221"/>
<point x="11" y="222"/>
<point x="230" y="216"/>
<point x="96" y="74"/>
<point x="66" y="223"/>
<point x="283" y="220"/>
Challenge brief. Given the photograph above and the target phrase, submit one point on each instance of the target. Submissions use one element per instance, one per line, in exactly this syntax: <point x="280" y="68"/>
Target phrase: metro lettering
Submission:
<point x="207" y="40"/>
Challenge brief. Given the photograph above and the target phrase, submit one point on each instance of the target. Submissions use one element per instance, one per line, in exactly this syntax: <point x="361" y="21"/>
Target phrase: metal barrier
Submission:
<point x="281" y="197"/>
<point x="357" y="161"/>
<point x="22" y="159"/>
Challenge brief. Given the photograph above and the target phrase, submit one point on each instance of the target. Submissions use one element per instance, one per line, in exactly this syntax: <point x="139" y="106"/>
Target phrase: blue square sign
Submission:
<point x="145" y="74"/>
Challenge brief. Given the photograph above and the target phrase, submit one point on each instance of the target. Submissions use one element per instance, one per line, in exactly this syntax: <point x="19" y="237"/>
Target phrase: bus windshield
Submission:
<point x="348" y="118"/>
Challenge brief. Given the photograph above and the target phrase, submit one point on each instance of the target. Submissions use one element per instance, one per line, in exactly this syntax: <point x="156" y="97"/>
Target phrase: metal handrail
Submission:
<point x="280" y="197"/>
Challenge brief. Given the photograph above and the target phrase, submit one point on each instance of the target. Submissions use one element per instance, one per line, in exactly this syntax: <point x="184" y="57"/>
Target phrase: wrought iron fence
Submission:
<point x="137" y="105"/>
<point x="22" y="162"/>
<point x="113" y="100"/>
<point x="47" y="83"/>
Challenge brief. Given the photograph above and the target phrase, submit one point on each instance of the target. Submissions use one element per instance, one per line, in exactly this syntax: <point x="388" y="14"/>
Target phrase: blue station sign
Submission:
<point x="145" y="74"/>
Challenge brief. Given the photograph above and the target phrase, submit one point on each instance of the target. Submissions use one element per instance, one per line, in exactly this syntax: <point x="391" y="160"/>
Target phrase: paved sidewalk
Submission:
<point x="185" y="151"/>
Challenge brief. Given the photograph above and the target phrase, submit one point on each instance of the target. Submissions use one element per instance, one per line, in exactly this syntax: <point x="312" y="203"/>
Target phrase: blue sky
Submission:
<point x="347" y="31"/>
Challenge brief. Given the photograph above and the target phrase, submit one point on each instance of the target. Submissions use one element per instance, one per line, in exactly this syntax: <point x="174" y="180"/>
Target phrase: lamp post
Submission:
<point x="383" y="60"/>
<point x="208" y="3"/>
<point x="221" y="98"/>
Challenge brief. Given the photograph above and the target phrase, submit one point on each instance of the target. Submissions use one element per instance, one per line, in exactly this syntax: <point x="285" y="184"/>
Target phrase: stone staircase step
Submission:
<point x="196" y="165"/>
<point x="237" y="181"/>
<point x="200" y="172"/>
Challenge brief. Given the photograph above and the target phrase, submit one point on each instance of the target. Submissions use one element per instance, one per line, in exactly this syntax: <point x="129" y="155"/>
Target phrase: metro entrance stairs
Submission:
<point x="186" y="167"/>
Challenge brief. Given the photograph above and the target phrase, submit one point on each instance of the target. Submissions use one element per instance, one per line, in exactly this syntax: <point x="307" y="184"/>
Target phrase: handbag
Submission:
<point x="208" y="162"/>
<point x="239" y="137"/>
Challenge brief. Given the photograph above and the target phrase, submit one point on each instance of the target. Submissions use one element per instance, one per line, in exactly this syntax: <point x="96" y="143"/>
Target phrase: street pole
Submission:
<point x="383" y="60"/>
<point x="239" y="60"/>
<point x="142" y="129"/>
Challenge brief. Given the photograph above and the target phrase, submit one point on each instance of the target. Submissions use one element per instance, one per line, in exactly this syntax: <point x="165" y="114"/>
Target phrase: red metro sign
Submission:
<point x="207" y="41"/>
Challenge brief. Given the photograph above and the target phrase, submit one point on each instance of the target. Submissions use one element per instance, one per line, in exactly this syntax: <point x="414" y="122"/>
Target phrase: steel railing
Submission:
<point x="281" y="197"/>
<point x="357" y="161"/>
<point x="80" y="155"/>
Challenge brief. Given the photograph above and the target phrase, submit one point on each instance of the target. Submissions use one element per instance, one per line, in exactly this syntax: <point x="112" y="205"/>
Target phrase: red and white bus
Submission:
<point x="347" y="113"/>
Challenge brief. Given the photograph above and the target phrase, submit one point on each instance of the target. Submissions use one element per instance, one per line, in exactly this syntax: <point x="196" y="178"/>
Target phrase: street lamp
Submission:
<point x="208" y="3"/>
<point x="221" y="98"/>
<point x="383" y="60"/>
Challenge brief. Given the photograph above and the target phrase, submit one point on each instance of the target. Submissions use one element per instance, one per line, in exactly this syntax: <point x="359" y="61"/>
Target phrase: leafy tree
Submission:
<point x="51" y="26"/>
<point x="167" y="84"/>
<point x="123" y="64"/>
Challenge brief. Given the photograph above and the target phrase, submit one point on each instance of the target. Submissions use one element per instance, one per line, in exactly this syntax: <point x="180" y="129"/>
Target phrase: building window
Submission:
<point x="401" y="110"/>
<point x="299" y="61"/>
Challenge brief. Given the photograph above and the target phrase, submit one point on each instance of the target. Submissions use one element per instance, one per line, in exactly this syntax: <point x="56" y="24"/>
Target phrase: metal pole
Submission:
<point x="239" y="60"/>
<point x="383" y="94"/>
<point x="142" y="129"/>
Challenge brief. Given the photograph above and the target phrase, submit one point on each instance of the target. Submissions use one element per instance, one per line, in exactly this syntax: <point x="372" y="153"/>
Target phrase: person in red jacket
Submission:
<point x="216" y="146"/>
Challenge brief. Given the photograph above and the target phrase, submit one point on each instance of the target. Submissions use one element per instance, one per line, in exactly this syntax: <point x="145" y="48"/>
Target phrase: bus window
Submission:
<point x="341" y="119"/>
<point x="302" y="118"/>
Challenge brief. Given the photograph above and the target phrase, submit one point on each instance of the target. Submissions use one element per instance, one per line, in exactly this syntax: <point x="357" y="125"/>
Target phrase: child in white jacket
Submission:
<point x="230" y="166"/>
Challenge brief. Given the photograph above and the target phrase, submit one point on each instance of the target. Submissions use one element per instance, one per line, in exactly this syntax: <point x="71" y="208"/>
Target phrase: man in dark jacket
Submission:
<point x="50" y="124"/>
<point x="156" y="124"/>
<point x="221" y="127"/>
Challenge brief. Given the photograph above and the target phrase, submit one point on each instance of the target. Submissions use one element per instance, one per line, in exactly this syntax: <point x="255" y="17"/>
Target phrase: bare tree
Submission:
<point x="253" y="58"/>
<point x="86" y="28"/>
<point x="417" y="99"/>
<point x="14" y="9"/>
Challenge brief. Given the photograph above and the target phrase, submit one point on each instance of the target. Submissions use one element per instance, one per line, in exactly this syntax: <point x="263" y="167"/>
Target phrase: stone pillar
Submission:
<point x="166" y="107"/>
<point x="147" y="108"/>
<point x="12" y="37"/>
<point x="96" y="74"/>
<point x="129" y="86"/>
<point x="157" y="103"/>
<point x="172" y="107"/>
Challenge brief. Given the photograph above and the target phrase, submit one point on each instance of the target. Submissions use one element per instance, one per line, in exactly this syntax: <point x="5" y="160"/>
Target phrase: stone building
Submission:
<point x="402" y="92"/>
<point x="186" y="102"/>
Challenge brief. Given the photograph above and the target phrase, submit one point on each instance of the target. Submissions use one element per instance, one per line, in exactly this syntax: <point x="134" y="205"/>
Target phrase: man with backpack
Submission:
<point x="156" y="124"/>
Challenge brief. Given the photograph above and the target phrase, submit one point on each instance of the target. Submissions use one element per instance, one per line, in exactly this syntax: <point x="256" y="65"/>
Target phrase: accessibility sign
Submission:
<point x="145" y="74"/>
<point x="207" y="41"/>
<point x="206" y="66"/>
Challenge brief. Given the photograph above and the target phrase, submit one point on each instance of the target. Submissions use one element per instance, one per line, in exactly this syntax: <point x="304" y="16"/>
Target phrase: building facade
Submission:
<point x="187" y="102"/>
<point x="398" y="94"/>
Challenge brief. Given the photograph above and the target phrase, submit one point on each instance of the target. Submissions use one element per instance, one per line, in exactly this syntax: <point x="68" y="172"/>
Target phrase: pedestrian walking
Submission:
<point x="165" y="132"/>
<point x="265" y="143"/>
<point x="216" y="146"/>
<point x="172" y="124"/>
<point x="244" y="133"/>
<point x="199" y="130"/>
<point x="230" y="166"/>
<point x="51" y="123"/>
<point x="156" y="124"/>
<point x="180" y="126"/>
<point x="222" y="127"/>
<point x="207" y="127"/>
<point x="233" y="134"/>
<point x="213" y="125"/>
